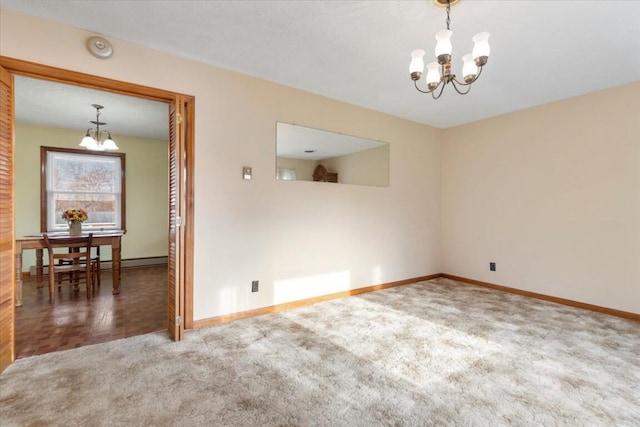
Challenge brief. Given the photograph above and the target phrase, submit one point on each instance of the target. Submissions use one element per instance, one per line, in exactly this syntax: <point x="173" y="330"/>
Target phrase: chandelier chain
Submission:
<point x="448" y="10"/>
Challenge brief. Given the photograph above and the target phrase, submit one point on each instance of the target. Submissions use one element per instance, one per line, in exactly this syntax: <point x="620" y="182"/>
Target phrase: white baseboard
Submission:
<point x="136" y="262"/>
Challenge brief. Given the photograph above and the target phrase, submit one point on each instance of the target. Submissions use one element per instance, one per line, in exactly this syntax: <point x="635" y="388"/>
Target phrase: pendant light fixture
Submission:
<point x="439" y="73"/>
<point x="93" y="139"/>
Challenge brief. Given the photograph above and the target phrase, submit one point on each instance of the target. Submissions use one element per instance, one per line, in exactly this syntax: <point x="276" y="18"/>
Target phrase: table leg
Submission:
<point x="115" y="269"/>
<point x="39" y="279"/>
<point x="19" y="278"/>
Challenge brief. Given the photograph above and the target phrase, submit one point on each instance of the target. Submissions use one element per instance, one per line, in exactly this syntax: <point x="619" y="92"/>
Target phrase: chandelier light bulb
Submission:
<point x="93" y="145"/>
<point x="433" y="73"/>
<point x="481" y="48"/>
<point x="417" y="61"/>
<point x="87" y="141"/>
<point x="109" y="144"/>
<point x="416" y="67"/>
<point x="469" y="68"/>
<point x="443" y="46"/>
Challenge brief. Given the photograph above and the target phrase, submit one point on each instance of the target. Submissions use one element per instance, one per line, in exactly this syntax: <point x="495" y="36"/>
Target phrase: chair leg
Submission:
<point x="52" y="293"/>
<point x="93" y="278"/>
<point x="76" y="280"/>
<point x="89" y="281"/>
<point x="98" y="272"/>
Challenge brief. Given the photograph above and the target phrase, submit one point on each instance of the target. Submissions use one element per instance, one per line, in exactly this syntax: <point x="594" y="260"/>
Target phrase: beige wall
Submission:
<point x="146" y="191"/>
<point x="552" y="195"/>
<point x="368" y="167"/>
<point x="299" y="240"/>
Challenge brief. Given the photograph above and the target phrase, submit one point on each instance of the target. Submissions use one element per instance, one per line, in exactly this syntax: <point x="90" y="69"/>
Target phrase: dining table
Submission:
<point x="36" y="241"/>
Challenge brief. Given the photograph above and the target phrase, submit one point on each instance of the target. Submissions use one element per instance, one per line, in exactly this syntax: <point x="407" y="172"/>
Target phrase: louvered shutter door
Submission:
<point x="174" y="297"/>
<point x="7" y="270"/>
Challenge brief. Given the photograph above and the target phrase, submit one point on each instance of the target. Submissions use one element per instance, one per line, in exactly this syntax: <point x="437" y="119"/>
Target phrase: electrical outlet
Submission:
<point x="492" y="266"/>
<point x="254" y="286"/>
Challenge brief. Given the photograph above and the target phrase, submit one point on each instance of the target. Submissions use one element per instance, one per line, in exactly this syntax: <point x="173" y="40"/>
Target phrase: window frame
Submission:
<point x="44" y="168"/>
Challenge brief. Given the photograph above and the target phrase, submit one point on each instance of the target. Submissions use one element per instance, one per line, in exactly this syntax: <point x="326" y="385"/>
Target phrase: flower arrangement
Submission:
<point x="75" y="215"/>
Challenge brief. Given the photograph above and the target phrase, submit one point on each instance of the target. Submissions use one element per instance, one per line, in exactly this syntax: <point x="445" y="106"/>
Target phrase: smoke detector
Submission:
<point x="99" y="47"/>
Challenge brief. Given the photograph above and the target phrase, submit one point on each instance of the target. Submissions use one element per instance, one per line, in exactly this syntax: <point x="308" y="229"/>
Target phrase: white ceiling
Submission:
<point x="299" y="142"/>
<point x="45" y="103"/>
<point x="358" y="51"/>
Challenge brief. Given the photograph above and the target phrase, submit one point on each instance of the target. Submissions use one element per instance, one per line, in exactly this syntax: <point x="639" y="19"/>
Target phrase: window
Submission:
<point x="76" y="179"/>
<point x="286" y="174"/>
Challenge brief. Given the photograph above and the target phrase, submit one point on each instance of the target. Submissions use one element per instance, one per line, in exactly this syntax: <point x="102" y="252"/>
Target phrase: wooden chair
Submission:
<point x="95" y="267"/>
<point x="80" y="256"/>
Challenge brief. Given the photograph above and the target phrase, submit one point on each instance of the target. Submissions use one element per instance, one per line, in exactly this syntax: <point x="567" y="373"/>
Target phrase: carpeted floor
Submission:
<point x="437" y="353"/>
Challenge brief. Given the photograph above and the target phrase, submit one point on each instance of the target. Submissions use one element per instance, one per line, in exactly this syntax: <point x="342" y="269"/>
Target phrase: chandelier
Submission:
<point x="93" y="139"/>
<point x="439" y="73"/>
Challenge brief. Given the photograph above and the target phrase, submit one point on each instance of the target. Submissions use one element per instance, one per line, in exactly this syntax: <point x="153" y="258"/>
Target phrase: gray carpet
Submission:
<point x="437" y="353"/>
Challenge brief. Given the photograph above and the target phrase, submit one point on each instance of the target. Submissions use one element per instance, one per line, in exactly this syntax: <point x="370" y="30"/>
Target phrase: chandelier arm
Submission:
<point x="454" y="80"/>
<point x="439" y="93"/>
<point x="471" y="82"/>
<point x="415" y="83"/>
<point x="455" y="86"/>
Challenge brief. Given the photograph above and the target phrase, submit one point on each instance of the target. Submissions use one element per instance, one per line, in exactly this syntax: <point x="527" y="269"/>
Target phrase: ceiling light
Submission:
<point x="439" y="73"/>
<point x="93" y="138"/>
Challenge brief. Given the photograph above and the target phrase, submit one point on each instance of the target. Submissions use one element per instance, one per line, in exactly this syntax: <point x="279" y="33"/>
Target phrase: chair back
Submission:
<point x="79" y="248"/>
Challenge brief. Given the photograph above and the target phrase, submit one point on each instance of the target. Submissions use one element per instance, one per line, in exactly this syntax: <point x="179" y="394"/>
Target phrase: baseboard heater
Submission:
<point x="134" y="262"/>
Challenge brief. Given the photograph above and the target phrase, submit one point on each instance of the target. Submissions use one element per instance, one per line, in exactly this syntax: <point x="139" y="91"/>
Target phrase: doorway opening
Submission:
<point x="180" y="117"/>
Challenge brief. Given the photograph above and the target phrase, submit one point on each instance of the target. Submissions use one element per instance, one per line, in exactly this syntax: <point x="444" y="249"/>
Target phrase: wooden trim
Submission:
<point x="571" y="303"/>
<point x="189" y="197"/>
<point x="43" y="190"/>
<point x="46" y="72"/>
<point x="301" y="303"/>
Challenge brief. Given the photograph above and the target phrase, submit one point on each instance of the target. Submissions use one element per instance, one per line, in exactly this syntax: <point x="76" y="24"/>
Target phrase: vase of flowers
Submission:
<point x="75" y="218"/>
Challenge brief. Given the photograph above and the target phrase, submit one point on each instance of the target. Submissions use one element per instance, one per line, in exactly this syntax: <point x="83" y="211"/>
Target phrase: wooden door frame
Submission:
<point x="44" y="72"/>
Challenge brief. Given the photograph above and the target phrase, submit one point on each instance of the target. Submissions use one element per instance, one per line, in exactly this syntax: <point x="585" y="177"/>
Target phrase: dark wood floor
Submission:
<point x="73" y="321"/>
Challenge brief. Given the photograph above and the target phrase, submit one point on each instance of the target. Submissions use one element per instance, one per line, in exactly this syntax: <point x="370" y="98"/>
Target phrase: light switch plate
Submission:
<point x="246" y="172"/>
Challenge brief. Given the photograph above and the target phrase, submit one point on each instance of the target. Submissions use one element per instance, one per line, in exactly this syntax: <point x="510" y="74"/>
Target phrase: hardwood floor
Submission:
<point x="73" y="321"/>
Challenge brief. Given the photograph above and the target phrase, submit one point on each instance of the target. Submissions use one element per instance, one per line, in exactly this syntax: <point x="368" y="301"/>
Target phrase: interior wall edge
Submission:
<point x="577" y="304"/>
